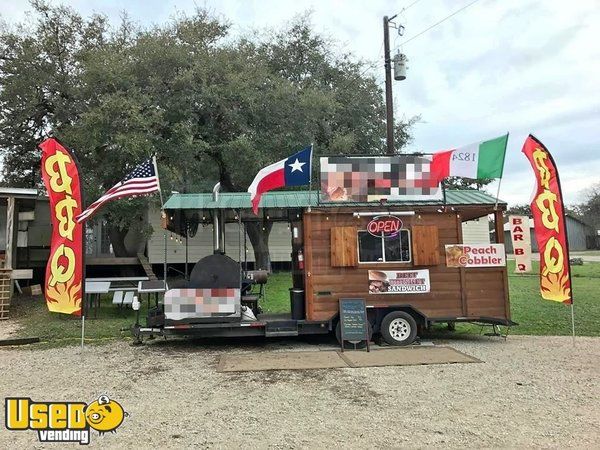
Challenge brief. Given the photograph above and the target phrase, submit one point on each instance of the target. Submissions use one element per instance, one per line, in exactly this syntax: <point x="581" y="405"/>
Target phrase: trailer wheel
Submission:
<point x="398" y="328"/>
<point x="351" y="344"/>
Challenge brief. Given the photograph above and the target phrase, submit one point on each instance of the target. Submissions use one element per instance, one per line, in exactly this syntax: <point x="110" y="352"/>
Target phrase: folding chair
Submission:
<point x="118" y="298"/>
<point x="128" y="299"/>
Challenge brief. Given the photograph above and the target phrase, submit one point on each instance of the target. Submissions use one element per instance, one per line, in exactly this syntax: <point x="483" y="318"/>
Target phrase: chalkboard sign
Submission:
<point x="353" y="321"/>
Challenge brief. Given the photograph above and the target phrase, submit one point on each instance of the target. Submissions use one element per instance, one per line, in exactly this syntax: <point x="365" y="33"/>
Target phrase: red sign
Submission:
<point x="64" y="272"/>
<point x="386" y="226"/>
<point x="549" y="223"/>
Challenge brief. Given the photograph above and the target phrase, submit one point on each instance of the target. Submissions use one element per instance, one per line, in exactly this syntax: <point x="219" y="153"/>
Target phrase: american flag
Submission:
<point x="142" y="181"/>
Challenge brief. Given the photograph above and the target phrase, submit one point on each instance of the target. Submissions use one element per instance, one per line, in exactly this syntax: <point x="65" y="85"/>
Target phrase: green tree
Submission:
<point x="519" y="210"/>
<point x="212" y="107"/>
<point x="466" y="183"/>
<point x="589" y="210"/>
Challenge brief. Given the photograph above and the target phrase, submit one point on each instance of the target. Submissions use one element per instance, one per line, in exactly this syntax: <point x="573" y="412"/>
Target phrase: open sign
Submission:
<point x="386" y="226"/>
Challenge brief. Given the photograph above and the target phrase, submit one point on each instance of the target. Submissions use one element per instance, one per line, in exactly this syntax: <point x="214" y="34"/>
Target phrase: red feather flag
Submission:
<point x="550" y="224"/>
<point x="64" y="272"/>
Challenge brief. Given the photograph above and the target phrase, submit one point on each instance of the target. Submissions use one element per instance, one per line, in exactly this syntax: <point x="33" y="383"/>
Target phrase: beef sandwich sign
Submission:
<point x="399" y="281"/>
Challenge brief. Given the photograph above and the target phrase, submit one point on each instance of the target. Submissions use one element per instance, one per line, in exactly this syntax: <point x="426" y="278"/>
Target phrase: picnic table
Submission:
<point x="96" y="286"/>
<point x="150" y="287"/>
<point x="93" y="290"/>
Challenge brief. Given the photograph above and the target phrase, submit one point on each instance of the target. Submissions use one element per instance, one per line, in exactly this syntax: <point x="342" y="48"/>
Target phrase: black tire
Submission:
<point x="399" y="328"/>
<point x="351" y="344"/>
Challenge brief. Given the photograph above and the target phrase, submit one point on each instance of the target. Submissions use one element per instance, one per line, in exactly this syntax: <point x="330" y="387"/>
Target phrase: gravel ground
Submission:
<point x="8" y="329"/>
<point x="529" y="392"/>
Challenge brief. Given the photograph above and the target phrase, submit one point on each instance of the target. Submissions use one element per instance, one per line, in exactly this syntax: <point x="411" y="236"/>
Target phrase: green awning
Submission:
<point x="304" y="199"/>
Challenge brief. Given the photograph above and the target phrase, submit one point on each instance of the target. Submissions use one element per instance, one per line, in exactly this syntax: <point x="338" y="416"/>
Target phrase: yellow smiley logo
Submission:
<point x="104" y="414"/>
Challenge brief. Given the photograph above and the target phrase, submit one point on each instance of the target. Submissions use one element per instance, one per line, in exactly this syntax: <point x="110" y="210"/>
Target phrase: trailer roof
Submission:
<point x="304" y="199"/>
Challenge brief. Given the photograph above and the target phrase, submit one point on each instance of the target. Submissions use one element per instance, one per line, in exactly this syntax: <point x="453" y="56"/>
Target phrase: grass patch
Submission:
<point x="277" y="293"/>
<point x="55" y="330"/>
<point x="534" y="315"/>
<point x="541" y="317"/>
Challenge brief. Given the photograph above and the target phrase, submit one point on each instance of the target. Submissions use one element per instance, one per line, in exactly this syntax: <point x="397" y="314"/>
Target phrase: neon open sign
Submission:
<point x="386" y="226"/>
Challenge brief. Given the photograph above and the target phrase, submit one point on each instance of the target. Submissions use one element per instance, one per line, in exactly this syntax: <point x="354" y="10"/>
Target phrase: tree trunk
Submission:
<point x="258" y="232"/>
<point x="117" y="239"/>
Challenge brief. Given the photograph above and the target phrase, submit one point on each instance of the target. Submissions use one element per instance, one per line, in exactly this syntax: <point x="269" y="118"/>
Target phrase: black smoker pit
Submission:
<point x="214" y="272"/>
<point x="213" y="293"/>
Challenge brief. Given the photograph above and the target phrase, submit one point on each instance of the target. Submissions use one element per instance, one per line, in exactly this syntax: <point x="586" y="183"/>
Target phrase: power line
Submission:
<point x="406" y="8"/>
<point x="438" y="23"/>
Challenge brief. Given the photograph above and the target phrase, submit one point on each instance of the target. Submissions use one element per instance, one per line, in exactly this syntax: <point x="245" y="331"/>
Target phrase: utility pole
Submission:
<point x="389" y="102"/>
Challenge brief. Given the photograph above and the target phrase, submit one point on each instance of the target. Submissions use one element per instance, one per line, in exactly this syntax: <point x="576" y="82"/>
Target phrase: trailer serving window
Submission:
<point x="373" y="249"/>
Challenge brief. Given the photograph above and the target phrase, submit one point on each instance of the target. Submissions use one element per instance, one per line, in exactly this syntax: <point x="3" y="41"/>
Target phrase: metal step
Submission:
<point x="281" y="328"/>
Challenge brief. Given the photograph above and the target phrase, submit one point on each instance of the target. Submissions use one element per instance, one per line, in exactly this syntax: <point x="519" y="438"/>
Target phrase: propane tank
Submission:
<point x="300" y="260"/>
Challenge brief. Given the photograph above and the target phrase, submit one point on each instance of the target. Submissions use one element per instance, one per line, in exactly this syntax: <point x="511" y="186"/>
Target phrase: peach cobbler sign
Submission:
<point x="486" y="255"/>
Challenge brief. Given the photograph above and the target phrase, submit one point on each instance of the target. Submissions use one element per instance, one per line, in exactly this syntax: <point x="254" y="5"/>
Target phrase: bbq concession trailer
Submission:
<point x="392" y="254"/>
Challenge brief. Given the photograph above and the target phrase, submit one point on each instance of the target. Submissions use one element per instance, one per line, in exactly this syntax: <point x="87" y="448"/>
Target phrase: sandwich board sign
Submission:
<point x="353" y="321"/>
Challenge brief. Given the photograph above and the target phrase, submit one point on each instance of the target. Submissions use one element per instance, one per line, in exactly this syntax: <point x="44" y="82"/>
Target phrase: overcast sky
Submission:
<point x="523" y="66"/>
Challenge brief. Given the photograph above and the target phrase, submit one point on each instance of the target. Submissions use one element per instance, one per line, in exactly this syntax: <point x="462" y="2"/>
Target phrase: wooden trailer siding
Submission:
<point x="342" y="251"/>
<point x="485" y="292"/>
<point x="454" y="292"/>
<point x="425" y="245"/>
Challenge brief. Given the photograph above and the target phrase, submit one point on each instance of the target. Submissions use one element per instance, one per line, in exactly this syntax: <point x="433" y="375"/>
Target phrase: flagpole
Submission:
<point x="310" y="177"/>
<point x="502" y="173"/>
<point x="162" y="204"/>
<point x="573" y="322"/>
<point x="82" y="329"/>
<point x="83" y="299"/>
<point x="498" y="194"/>
<point x="162" y="209"/>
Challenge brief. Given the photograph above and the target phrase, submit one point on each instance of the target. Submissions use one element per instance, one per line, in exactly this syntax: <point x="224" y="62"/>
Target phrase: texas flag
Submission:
<point x="293" y="171"/>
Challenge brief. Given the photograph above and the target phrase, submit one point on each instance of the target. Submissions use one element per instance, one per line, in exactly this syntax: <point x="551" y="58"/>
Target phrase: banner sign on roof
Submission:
<point x="372" y="179"/>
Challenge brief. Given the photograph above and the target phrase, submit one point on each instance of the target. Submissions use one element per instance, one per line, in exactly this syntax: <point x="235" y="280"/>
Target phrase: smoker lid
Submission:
<point x="215" y="271"/>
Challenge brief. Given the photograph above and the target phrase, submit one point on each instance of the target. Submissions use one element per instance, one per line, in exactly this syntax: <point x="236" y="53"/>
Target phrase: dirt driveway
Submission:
<point x="529" y="392"/>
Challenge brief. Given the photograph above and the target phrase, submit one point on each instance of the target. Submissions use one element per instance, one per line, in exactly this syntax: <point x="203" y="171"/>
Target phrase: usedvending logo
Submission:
<point x="64" y="421"/>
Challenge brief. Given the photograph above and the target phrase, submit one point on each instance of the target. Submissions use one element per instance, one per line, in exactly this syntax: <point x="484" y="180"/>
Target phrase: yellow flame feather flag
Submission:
<point x="64" y="273"/>
<point x="549" y="222"/>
